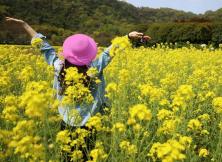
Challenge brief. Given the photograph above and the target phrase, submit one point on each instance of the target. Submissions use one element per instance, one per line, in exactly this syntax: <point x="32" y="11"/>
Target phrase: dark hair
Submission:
<point x="81" y="69"/>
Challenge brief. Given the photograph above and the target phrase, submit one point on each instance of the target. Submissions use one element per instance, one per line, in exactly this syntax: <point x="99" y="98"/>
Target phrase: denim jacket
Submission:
<point x="97" y="92"/>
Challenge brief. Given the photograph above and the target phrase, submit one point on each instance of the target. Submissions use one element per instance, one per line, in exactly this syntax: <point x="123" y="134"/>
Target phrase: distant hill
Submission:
<point x="214" y="15"/>
<point x="103" y="19"/>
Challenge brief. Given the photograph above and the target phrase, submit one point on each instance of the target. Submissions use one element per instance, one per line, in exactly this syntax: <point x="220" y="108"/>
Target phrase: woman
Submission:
<point x="79" y="51"/>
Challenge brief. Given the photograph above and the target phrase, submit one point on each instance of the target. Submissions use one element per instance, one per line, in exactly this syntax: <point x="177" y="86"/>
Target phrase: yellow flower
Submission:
<point x="131" y="121"/>
<point x="76" y="155"/>
<point x="92" y="72"/>
<point x="22" y="127"/>
<point x="176" y="88"/>
<point x="137" y="127"/>
<point x="164" y="102"/>
<point x="210" y="94"/>
<point x="146" y="134"/>
<point x="123" y="76"/>
<point x="36" y="42"/>
<point x="164" y="114"/>
<point x="185" y="91"/>
<point x="77" y="94"/>
<point x="119" y="44"/>
<point x="183" y="95"/>
<point x="185" y="140"/>
<point x="28" y="147"/>
<point x="63" y="137"/>
<point x="129" y="148"/>
<point x="111" y="87"/>
<point x="140" y="112"/>
<point x="153" y="93"/>
<point x="5" y="81"/>
<point x="204" y="117"/>
<point x="194" y="124"/>
<point x="78" y="137"/>
<point x="95" y="122"/>
<point x="168" y="126"/>
<point x="26" y="74"/>
<point x="217" y="104"/>
<point x="119" y="126"/>
<point x="10" y="113"/>
<point x="11" y="100"/>
<point x="132" y="149"/>
<point x="170" y="151"/>
<point x="98" y="153"/>
<point x="72" y="75"/>
<point x="204" y="132"/>
<point x="36" y="99"/>
<point x="203" y="152"/>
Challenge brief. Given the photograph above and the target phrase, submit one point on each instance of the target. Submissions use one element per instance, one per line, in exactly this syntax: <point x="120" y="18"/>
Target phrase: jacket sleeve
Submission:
<point x="48" y="51"/>
<point x="118" y="45"/>
<point x="104" y="59"/>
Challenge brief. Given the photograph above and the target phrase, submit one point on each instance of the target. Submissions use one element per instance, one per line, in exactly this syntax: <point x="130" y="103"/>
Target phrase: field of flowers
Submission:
<point x="164" y="105"/>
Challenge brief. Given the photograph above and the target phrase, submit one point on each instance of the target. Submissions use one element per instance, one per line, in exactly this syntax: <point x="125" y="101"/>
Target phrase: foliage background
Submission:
<point x="106" y="19"/>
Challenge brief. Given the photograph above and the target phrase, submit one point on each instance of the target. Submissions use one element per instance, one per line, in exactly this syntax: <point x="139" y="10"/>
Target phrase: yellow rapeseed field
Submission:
<point x="164" y="105"/>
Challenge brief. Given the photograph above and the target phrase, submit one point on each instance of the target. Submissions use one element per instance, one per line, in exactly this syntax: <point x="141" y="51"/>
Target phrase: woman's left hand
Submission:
<point x="138" y="35"/>
<point x="22" y="24"/>
<point x="14" y="20"/>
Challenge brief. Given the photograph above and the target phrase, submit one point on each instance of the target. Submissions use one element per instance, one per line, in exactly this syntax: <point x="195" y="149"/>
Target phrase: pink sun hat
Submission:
<point x="79" y="49"/>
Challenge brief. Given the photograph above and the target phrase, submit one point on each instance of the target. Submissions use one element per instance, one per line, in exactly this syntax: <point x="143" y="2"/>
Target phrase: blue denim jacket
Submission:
<point x="98" y="91"/>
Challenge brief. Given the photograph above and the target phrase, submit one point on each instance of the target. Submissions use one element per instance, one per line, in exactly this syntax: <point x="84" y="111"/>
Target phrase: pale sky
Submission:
<point x="196" y="6"/>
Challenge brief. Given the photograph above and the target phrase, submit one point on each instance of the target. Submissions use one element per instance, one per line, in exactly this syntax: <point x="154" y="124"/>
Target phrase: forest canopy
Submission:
<point x="105" y="19"/>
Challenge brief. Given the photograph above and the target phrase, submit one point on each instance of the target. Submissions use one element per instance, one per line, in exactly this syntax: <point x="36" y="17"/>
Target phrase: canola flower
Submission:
<point x="140" y="112"/>
<point x="183" y="95"/>
<point x="203" y="152"/>
<point x="170" y="151"/>
<point x="98" y="154"/>
<point x="128" y="148"/>
<point x="169" y="126"/>
<point x="110" y="89"/>
<point x="217" y="103"/>
<point x="119" y="44"/>
<point x="77" y="155"/>
<point x="162" y="102"/>
<point x="76" y="92"/>
<point x="120" y="127"/>
<point x="164" y="114"/>
<point x="153" y="93"/>
<point x="194" y="124"/>
<point x="95" y="122"/>
<point x="36" y="42"/>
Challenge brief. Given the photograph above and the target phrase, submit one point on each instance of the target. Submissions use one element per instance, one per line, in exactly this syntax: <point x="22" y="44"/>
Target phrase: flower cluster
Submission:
<point x="163" y="105"/>
<point x="172" y="150"/>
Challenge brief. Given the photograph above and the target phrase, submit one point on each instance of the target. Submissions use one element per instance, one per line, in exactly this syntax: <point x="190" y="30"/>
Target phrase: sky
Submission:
<point x="196" y="6"/>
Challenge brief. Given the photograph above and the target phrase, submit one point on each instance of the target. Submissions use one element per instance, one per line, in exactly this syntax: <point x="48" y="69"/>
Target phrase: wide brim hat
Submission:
<point x="79" y="49"/>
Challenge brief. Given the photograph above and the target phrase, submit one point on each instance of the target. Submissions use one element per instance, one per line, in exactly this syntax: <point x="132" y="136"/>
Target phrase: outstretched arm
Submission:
<point x="20" y="23"/>
<point x="108" y="54"/>
<point x="48" y="51"/>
